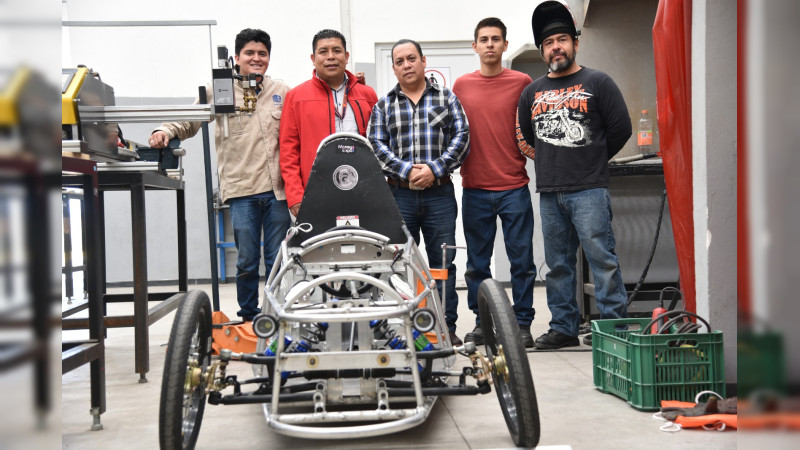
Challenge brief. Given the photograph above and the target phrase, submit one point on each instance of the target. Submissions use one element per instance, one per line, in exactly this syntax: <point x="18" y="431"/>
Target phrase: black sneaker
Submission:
<point x="525" y="334"/>
<point x="554" y="339"/>
<point x="475" y="336"/>
<point x="454" y="339"/>
<point x="587" y="340"/>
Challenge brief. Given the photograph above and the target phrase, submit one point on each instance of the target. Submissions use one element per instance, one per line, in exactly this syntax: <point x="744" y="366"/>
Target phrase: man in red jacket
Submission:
<point x="331" y="101"/>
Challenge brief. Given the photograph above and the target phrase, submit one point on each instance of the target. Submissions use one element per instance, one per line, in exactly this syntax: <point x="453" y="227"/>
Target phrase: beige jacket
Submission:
<point x="248" y="159"/>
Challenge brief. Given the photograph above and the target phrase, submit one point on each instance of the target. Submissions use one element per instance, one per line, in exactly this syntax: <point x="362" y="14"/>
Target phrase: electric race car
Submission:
<point x="352" y="340"/>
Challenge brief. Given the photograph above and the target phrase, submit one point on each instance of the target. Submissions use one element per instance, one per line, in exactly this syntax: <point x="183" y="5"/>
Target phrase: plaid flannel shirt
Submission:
<point x="433" y="132"/>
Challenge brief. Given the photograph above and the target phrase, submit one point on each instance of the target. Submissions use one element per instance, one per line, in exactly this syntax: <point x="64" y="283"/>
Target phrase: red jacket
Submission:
<point x="308" y="118"/>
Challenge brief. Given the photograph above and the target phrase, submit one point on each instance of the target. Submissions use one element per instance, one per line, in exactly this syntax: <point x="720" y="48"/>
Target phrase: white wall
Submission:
<point x="714" y="169"/>
<point x="27" y="36"/>
<point x="172" y="62"/>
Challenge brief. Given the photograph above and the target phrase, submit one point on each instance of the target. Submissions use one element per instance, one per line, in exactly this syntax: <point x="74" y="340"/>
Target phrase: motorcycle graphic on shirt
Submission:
<point x="560" y="117"/>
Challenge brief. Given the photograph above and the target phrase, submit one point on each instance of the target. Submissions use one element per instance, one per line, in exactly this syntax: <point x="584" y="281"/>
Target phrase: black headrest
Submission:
<point x="346" y="187"/>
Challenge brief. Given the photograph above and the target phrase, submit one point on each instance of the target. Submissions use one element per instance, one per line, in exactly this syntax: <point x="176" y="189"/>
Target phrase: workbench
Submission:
<point x="137" y="183"/>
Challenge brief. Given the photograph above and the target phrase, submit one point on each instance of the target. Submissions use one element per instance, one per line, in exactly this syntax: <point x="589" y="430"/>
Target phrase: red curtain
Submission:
<point x="672" y="49"/>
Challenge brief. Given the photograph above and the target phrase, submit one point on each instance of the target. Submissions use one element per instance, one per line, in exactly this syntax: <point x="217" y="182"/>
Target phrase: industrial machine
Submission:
<point x="82" y="92"/>
<point x="352" y="340"/>
<point x="90" y="117"/>
<point x="90" y="127"/>
<point x="27" y="119"/>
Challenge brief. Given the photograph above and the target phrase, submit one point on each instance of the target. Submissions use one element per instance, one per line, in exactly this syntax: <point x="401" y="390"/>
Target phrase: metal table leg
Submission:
<point x="182" y="264"/>
<point x="139" y="237"/>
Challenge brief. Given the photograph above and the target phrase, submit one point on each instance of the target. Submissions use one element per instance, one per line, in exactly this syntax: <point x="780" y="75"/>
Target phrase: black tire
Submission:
<point x="516" y="394"/>
<point x="181" y="412"/>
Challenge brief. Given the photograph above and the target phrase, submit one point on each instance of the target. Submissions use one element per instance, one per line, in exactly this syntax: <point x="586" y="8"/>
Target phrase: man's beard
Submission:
<point x="563" y="65"/>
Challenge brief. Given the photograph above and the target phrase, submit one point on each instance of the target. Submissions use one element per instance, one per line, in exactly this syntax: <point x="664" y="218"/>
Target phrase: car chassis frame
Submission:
<point x="352" y="340"/>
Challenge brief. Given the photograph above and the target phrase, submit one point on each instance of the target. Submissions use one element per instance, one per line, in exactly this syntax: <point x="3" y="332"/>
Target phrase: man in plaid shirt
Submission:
<point x="420" y="134"/>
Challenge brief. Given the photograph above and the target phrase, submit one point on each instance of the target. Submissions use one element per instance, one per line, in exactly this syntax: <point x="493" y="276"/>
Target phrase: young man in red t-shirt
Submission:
<point x="494" y="177"/>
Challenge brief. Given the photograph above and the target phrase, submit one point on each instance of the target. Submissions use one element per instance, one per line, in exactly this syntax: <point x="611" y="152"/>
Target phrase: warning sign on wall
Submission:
<point x="438" y="75"/>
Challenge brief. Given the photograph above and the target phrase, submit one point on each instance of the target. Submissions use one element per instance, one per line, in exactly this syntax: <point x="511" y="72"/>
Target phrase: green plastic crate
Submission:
<point x="645" y="369"/>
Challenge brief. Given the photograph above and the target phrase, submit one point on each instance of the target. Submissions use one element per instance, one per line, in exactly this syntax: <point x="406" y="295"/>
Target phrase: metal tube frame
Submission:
<point x="293" y="309"/>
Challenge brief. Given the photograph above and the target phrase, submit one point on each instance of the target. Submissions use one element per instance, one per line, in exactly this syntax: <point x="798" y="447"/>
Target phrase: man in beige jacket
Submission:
<point x="249" y="169"/>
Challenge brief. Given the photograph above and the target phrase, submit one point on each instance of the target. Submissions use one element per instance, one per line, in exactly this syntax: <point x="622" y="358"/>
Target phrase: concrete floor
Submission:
<point x="573" y="413"/>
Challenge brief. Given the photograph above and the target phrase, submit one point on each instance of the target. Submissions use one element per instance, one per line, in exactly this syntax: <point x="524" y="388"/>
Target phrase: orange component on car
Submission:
<point x="437" y="274"/>
<point x="236" y="336"/>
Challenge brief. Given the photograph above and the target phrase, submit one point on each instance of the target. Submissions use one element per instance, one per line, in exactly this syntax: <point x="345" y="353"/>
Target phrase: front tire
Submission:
<point x="183" y="397"/>
<point x="503" y="343"/>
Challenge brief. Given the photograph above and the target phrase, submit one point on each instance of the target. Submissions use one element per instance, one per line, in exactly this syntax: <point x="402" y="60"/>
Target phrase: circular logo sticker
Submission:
<point x="345" y="177"/>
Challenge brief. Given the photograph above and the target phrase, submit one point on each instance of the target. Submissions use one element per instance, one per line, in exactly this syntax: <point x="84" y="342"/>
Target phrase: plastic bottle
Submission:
<point x="645" y="136"/>
<point x="289" y="346"/>
<point x="421" y="342"/>
<point x="272" y="347"/>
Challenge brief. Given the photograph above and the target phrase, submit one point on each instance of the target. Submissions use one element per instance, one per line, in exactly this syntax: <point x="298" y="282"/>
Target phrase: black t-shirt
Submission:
<point x="575" y="124"/>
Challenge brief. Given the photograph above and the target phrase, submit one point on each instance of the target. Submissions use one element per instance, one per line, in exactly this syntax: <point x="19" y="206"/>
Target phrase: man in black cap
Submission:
<point x="576" y="120"/>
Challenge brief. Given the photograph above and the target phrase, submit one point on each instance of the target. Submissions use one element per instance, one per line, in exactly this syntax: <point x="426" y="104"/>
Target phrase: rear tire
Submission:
<point x="516" y="394"/>
<point x="181" y="409"/>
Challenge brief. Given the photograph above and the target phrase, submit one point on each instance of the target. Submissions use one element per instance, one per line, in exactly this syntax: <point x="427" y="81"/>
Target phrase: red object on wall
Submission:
<point x="672" y="49"/>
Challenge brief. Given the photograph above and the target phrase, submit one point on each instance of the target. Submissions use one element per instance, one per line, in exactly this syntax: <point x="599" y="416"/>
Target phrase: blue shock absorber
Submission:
<point x="382" y="331"/>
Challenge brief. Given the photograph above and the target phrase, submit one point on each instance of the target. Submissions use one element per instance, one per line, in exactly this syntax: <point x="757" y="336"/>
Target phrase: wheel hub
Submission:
<point x="194" y="376"/>
<point x="499" y="364"/>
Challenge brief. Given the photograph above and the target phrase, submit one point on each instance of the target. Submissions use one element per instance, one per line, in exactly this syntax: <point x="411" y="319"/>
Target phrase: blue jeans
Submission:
<point x="434" y="211"/>
<point x="480" y="209"/>
<point x="570" y="218"/>
<point x="251" y="216"/>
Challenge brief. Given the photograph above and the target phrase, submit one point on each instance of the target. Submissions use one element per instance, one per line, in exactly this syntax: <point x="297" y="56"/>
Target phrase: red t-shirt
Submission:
<point x="494" y="162"/>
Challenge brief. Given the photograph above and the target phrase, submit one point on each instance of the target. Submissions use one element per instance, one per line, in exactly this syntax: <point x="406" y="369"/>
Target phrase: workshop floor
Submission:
<point x="573" y="413"/>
